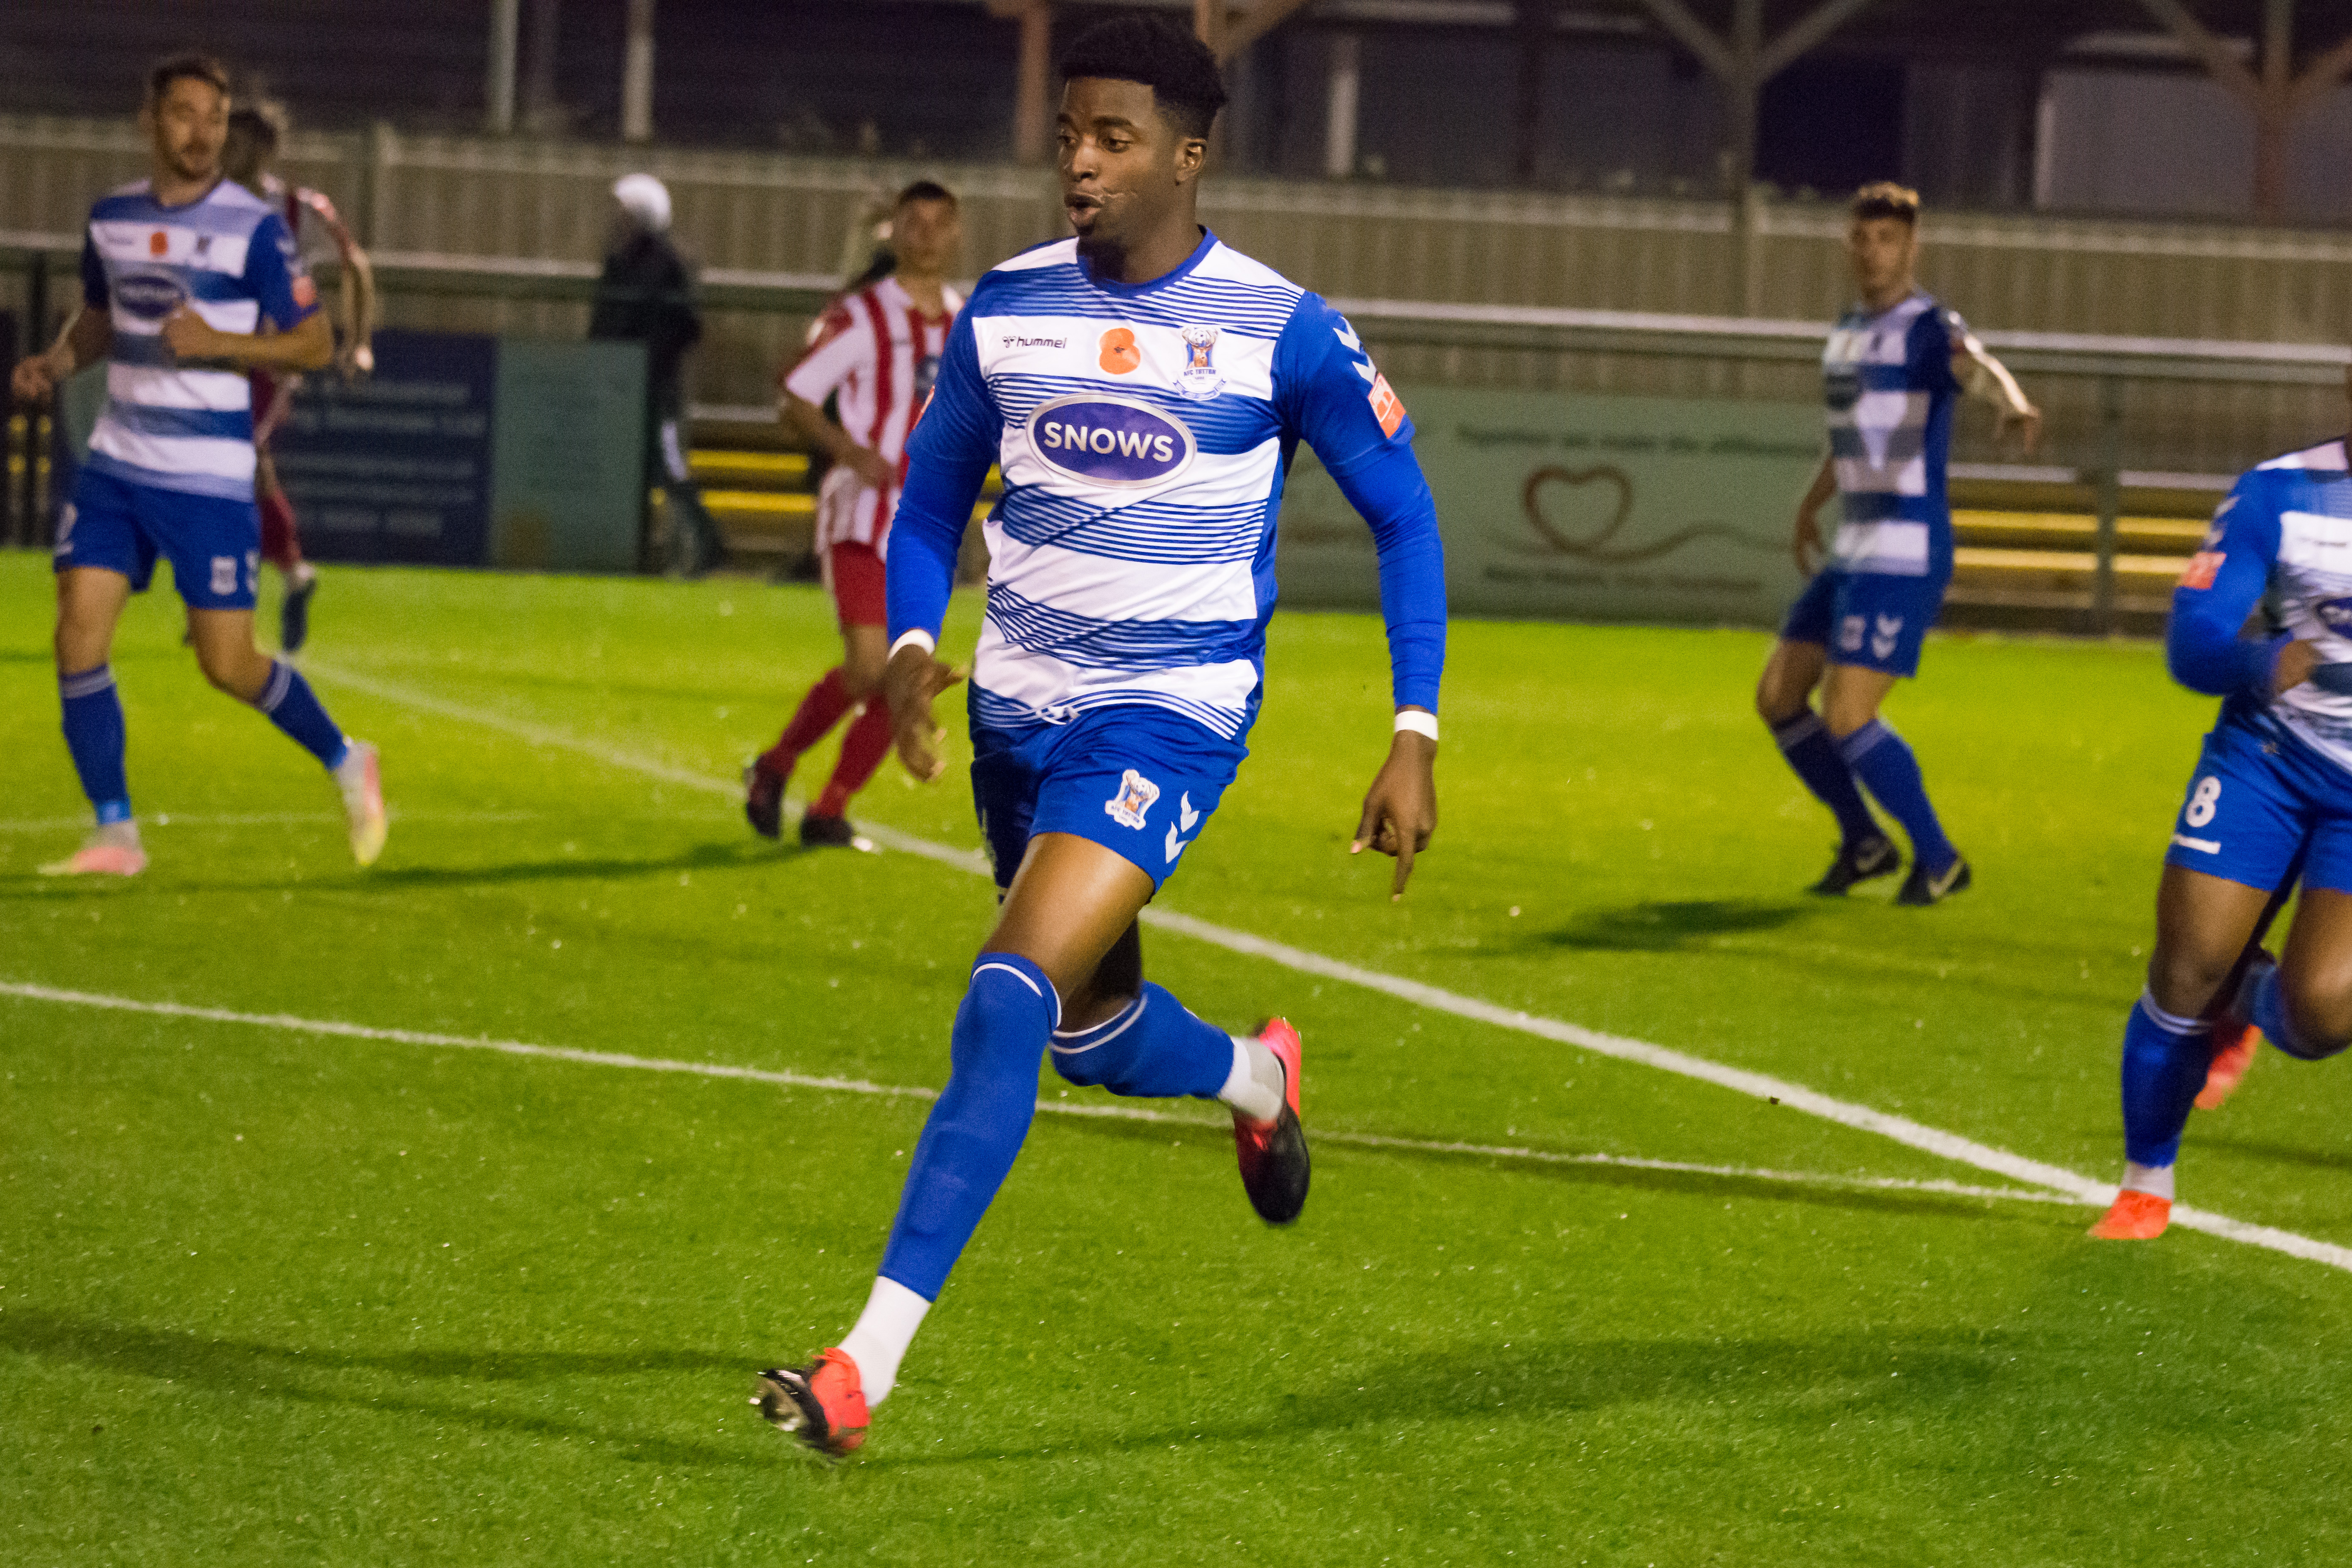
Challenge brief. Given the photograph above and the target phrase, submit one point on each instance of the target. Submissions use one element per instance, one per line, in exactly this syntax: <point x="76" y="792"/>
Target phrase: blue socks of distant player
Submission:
<point x="2166" y="1058"/>
<point x="976" y="1129"/>
<point x="94" y="734"/>
<point x="1154" y="1050"/>
<point x="294" y="708"/>
<point x="1886" y="768"/>
<point x="1805" y="742"/>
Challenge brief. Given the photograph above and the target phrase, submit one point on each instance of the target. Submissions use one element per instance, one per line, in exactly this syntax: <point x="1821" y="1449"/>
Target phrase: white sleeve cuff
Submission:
<point x="916" y="638"/>
<point x="1419" y="722"/>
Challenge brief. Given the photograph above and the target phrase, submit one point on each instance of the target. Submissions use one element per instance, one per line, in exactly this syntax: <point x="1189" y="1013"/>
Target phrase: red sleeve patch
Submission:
<point x="2203" y="567"/>
<point x="1387" y="407"/>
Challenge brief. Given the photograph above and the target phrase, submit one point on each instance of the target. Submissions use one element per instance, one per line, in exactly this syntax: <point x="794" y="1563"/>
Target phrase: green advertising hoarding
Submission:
<point x="1580" y="506"/>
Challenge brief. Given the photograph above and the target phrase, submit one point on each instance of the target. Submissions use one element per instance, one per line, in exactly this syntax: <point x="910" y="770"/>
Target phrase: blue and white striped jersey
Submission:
<point x="1144" y="431"/>
<point x="228" y="257"/>
<point x="2283" y="540"/>
<point x="1889" y="388"/>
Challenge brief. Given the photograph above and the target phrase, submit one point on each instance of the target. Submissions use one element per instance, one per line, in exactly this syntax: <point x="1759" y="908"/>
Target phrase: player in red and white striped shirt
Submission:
<point x="877" y="350"/>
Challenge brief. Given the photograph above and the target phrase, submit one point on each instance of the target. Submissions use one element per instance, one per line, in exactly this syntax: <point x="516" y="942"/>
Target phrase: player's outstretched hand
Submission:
<point x="913" y="680"/>
<point x="2027" y="422"/>
<point x="1401" y="808"/>
<point x="33" y="381"/>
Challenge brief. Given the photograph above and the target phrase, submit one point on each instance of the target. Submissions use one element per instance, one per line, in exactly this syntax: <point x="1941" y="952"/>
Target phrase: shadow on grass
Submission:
<point x="1662" y="927"/>
<point x="2278" y="1154"/>
<point x="1916" y="1374"/>
<point x="1757" y="1187"/>
<point x="374" y="1381"/>
<point x="26" y="885"/>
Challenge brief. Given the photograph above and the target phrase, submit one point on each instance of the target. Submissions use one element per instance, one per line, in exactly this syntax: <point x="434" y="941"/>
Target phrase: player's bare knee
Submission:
<point x="2185" y="979"/>
<point x="2319" y="1012"/>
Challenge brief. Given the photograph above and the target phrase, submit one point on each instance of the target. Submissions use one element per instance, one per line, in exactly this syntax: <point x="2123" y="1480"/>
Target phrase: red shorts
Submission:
<point x="853" y="575"/>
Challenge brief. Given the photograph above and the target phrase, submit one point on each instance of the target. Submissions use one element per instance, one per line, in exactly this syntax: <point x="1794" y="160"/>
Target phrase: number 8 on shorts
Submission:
<point x="2202" y="801"/>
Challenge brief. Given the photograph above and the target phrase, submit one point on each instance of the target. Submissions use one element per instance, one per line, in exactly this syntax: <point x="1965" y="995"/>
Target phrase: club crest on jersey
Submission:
<point x="1107" y="440"/>
<point x="149" y="296"/>
<point x="2334" y="614"/>
<point x="1199" y="379"/>
<point x="1133" y="801"/>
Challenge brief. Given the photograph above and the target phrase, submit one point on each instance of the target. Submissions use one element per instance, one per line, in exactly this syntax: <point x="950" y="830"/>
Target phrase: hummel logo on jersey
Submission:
<point x="1883" y="640"/>
<point x="1134" y="798"/>
<point x="1174" y="846"/>
<point x="1014" y="341"/>
<point x="1346" y="332"/>
<point x="1185" y="815"/>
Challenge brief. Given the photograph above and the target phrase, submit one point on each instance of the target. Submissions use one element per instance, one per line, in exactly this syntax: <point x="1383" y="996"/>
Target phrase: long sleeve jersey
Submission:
<point x="2283" y="538"/>
<point x="1144" y="432"/>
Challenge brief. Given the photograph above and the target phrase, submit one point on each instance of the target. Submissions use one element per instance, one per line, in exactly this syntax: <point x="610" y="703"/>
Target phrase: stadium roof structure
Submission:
<point x="2254" y="49"/>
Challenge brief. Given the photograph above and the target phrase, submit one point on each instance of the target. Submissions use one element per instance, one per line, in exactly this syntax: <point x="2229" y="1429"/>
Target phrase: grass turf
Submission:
<point x="271" y="1296"/>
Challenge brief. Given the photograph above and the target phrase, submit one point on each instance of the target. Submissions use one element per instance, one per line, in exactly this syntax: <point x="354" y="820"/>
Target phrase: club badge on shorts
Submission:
<point x="1199" y="379"/>
<point x="1134" y="799"/>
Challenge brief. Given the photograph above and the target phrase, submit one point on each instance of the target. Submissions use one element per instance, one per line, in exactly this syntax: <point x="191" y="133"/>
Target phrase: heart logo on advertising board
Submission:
<point x="1586" y="494"/>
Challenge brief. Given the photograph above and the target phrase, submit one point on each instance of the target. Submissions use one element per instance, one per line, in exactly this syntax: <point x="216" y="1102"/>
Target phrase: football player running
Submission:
<point x="1143" y="386"/>
<point x="2272" y="795"/>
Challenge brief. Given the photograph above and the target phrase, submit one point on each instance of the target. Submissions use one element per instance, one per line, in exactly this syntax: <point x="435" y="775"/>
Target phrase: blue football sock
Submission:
<point x="2166" y="1058"/>
<point x="2269" y="1014"/>
<point x="976" y="1129"/>
<point x="294" y="708"/>
<point x="1154" y="1049"/>
<point x="1805" y="742"/>
<point x="94" y="734"/>
<point x="1890" y="772"/>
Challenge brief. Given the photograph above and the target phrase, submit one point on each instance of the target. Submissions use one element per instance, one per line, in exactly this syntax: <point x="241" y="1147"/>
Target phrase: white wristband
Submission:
<point x="916" y="638"/>
<point x="1419" y="722"/>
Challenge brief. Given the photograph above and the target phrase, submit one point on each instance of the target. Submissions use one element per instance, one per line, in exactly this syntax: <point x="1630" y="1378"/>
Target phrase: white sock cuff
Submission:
<point x="2154" y="1180"/>
<point x="1245" y="1091"/>
<point x="883" y="1330"/>
<point x="2171" y="1023"/>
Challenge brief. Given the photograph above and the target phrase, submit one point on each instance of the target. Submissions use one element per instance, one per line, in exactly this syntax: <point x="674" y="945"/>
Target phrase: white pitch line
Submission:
<point x="1845" y="1114"/>
<point x="1087" y="1109"/>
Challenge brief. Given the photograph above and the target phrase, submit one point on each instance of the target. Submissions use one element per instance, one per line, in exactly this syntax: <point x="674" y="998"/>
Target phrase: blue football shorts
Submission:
<point x="2259" y="797"/>
<point x="1137" y="779"/>
<point x="1867" y="618"/>
<point x="213" y="543"/>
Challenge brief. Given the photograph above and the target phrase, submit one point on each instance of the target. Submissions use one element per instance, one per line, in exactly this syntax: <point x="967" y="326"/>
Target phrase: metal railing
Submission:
<point x="2104" y="368"/>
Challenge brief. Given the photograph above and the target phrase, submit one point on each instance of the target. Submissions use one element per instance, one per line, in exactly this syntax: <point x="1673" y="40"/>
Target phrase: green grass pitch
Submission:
<point x="277" y="1297"/>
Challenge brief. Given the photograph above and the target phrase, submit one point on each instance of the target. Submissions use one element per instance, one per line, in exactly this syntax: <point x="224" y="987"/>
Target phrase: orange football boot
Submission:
<point x="2228" y="1069"/>
<point x="2134" y="1217"/>
<point x="822" y="1403"/>
<point x="1273" y="1154"/>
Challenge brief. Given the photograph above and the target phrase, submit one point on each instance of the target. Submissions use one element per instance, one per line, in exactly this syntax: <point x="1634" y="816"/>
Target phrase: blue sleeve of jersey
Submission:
<point x="2226" y="580"/>
<point x="1930" y="350"/>
<point x="1327" y="393"/>
<point x="93" y="277"/>
<point x="947" y="461"/>
<point x="274" y="275"/>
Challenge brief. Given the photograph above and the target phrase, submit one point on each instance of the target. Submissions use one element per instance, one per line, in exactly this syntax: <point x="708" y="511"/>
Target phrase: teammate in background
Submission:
<point x="254" y="135"/>
<point x="1892" y="368"/>
<point x="179" y="273"/>
<point x="878" y="351"/>
<point x="2271" y="792"/>
<point x="1143" y="386"/>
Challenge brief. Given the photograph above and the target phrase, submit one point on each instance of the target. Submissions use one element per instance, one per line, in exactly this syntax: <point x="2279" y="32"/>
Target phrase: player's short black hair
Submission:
<point x="1884" y="198"/>
<point x="925" y="191"/>
<point x="1177" y="67"/>
<point x="188" y="65"/>
<point x="257" y="125"/>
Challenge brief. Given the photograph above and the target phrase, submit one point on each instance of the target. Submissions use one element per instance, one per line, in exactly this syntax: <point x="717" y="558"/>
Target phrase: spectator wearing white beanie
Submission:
<point x="645" y="200"/>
